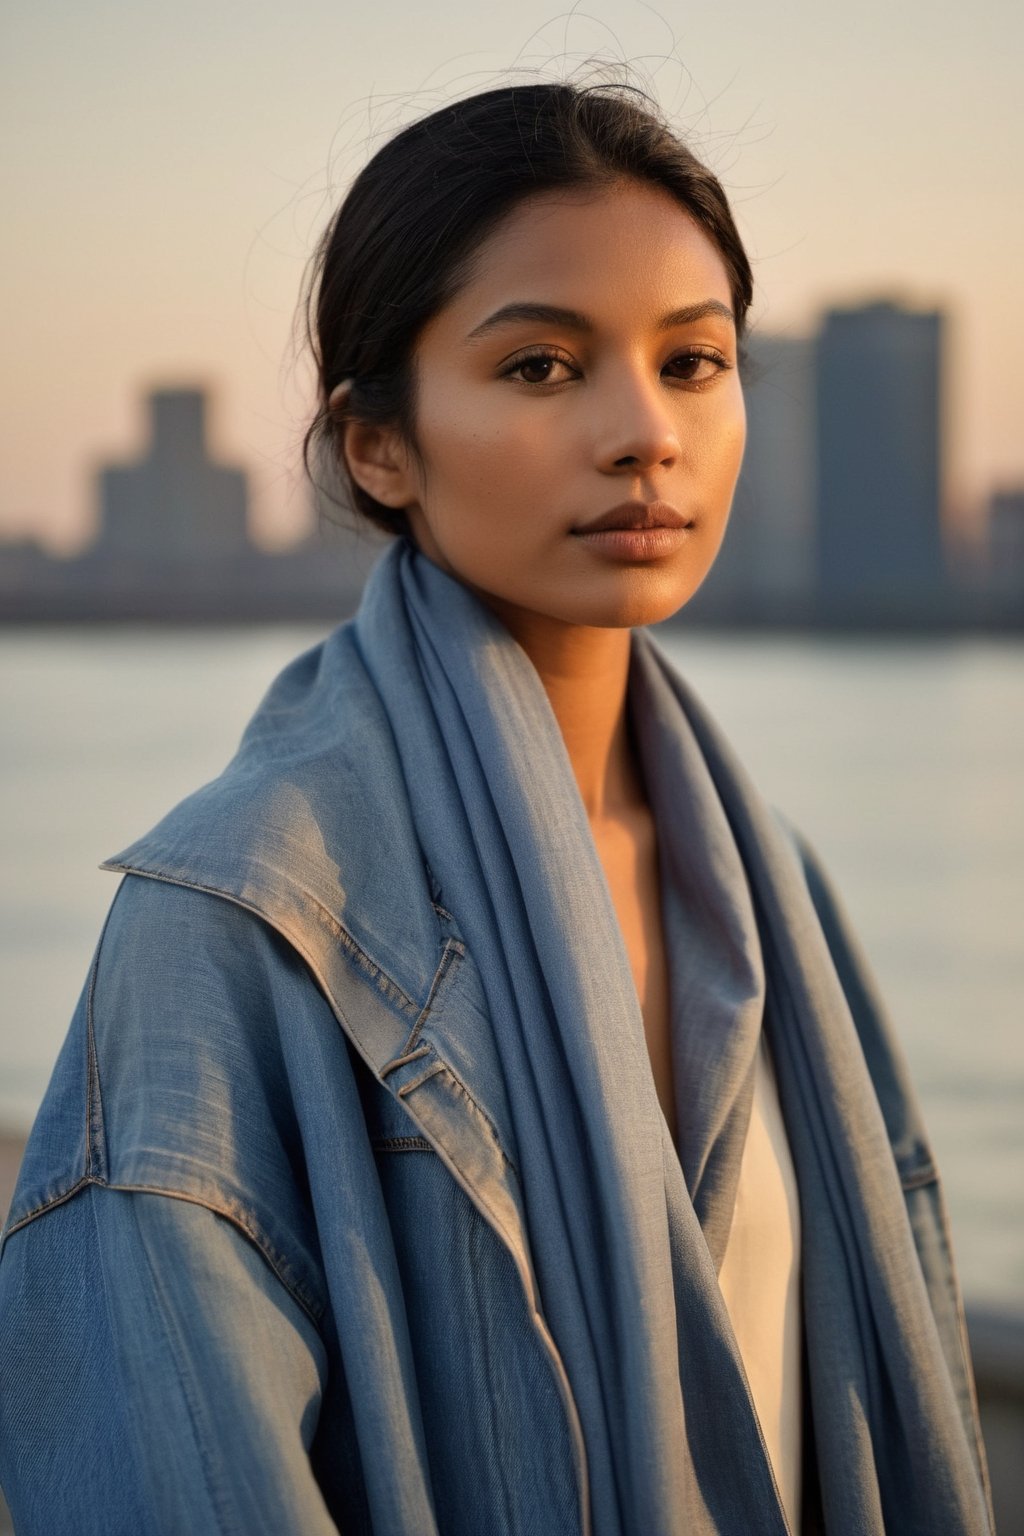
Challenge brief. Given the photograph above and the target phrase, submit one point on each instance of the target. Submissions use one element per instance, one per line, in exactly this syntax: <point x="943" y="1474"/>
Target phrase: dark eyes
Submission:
<point x="539" y="367"/>
<point x="695" y="366"/>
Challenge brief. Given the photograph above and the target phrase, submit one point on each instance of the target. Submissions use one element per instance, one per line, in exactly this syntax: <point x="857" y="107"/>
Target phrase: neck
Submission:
<point x="585" y="673"/>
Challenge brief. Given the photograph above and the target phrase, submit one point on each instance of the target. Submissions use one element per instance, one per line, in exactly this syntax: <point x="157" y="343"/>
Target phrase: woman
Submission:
<point x="478" y="1116"/>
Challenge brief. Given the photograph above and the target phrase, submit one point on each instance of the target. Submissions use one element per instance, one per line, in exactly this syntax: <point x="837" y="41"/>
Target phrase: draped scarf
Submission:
<point x="626" y="1230"/>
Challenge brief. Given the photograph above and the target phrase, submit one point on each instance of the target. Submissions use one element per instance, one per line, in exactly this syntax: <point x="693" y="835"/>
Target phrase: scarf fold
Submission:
<point x="626" y="1232"/>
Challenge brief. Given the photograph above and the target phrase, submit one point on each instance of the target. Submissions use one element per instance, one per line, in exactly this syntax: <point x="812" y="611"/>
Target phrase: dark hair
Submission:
<point x="403" y="239"/>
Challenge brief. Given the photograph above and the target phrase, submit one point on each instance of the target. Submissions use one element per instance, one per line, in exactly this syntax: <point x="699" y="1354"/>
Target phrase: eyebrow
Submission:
<point x="571" y="319"/>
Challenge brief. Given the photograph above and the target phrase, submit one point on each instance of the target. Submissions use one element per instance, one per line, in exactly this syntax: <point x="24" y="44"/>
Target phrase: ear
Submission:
<point x="380" y="462"/>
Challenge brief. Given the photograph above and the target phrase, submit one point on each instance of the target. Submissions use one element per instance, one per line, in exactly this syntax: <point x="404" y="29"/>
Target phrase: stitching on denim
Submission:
<point x="383" y="982"/>
<point x="278" y="1263"/>
<point x="442" y="1066"/>
<point x="351" y="1033"/>
<point x="453" y="952"/>
<point x="401" y="1143"/>
<point x="95" y="1135"/>
<point x="452" y="955"/>
<point x="485" y="1117"/>
<point x="400" y="1061"/>
<point x="95" y="1131"/>
<point x="89" y="1063"/>
<point x="54" y="1200"/>
<point x="250" y="1229"/>
<point x="432" y="1071"/>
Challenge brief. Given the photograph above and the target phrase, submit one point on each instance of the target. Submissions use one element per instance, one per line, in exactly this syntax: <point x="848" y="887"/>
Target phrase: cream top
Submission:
<point x="760" y="1281"/>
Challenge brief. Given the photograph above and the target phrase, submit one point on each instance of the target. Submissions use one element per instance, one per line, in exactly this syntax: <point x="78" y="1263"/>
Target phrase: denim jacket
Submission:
<point x="265" y="1266"/>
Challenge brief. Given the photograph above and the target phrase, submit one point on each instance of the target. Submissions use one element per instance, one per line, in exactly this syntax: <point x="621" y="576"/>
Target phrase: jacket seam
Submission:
<point x="385" y="983"/>
<point x="417" y="1082"/>
<point x="403" y="1060"/>
<point x="95" y="1133"/>
<point x="89" y="1065"/>
<point x="453" y="949"/>
<point x="451" y="955"/>
<point x="401" y="1143"/>
<point x="95" y="1129"/>
<point x="48" y="1205"/>
<point x="313" y="1309"/>
<point x="440" y="1065"/>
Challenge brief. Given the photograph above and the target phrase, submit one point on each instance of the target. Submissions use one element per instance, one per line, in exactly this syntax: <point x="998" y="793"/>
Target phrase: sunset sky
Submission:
<point x="166" y="170"/>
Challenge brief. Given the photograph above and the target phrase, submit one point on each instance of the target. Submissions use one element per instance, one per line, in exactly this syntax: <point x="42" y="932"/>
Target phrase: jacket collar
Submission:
<point x="308" y="827"/>
<point x="308" y="823"/>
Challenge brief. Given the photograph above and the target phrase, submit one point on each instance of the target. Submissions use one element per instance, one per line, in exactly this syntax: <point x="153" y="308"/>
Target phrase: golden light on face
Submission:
<point x="585" y="372"/>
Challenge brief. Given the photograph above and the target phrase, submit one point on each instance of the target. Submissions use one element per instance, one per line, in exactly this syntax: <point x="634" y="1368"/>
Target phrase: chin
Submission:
<point x="641" y="596"/>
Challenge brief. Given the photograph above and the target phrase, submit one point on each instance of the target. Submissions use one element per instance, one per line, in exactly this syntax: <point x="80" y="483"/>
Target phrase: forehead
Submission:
<point x="626" y="248"/>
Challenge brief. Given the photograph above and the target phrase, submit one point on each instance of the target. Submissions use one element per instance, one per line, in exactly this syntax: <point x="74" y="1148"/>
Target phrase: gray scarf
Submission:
<point x="626" y="1233"/>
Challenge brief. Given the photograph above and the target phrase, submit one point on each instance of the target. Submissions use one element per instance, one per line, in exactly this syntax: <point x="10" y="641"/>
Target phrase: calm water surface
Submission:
<point x="903" y="763"/>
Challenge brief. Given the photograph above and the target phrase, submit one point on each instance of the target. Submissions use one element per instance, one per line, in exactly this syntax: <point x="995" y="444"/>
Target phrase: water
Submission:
<point x="903" y="763"/>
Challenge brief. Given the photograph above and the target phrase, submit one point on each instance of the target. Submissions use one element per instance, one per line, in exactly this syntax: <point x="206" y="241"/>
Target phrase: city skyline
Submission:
<point x="838" y="517"/>
<point x="159" y="221"/>
<point x="781" y="447"/>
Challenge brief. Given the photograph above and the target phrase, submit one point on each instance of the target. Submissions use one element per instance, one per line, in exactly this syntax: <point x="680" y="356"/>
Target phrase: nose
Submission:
<point x="638" y="428"/>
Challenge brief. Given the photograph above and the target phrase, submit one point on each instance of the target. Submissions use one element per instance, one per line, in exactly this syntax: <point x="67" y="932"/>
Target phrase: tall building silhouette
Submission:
<point x="174" y="504"/>
<point x="1006" y="543"/>
<point x="767" y="556"/>
<point x="879" y="458"/>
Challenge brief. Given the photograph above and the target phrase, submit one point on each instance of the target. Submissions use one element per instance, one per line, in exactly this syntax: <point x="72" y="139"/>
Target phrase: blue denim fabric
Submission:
<point x="317" y="1330"/>
<point x="266" y="1268"/>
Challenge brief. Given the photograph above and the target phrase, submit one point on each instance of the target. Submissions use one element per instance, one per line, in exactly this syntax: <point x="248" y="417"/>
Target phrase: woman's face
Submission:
<point x="586" y="368"/>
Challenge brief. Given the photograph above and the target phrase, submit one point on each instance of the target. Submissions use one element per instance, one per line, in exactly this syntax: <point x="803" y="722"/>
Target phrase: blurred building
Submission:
<point x="1005" y="577"/>
<point x="879" y="541"/>
<point x="835" y="521"/>
<point x="174" y="503"/>
<point x="173" y="544"/>
<point x="766" y="564"/>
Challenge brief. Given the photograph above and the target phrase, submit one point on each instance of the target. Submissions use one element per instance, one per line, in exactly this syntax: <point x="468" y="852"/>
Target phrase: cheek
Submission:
<point x="720" y="449"/>
<point x="456" y="439"/>
<point x="478" y="457"/>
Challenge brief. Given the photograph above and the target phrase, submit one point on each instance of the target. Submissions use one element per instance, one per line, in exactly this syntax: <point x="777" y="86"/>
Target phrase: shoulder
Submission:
<point x="178" y="1075"/>
<point x="180" y="964"/>
<point x="309" y="825"/>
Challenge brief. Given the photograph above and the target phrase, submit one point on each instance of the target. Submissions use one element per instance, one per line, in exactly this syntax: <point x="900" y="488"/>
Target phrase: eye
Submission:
<point x="696" y="366"/>
<point x="539" y="366"/>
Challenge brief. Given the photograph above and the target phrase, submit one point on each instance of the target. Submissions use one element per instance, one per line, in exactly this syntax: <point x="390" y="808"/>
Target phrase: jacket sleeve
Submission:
<point x="156" y="1376"/>
<point x="163" y="1356"/>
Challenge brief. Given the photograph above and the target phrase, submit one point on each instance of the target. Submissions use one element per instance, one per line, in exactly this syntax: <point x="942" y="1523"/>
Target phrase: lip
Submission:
<point x="636" y="531"/>
<point x="635" y="516"/>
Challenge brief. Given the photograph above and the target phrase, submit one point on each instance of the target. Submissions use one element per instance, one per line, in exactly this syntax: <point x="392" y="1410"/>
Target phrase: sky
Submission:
<point x="165" y="171"/>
